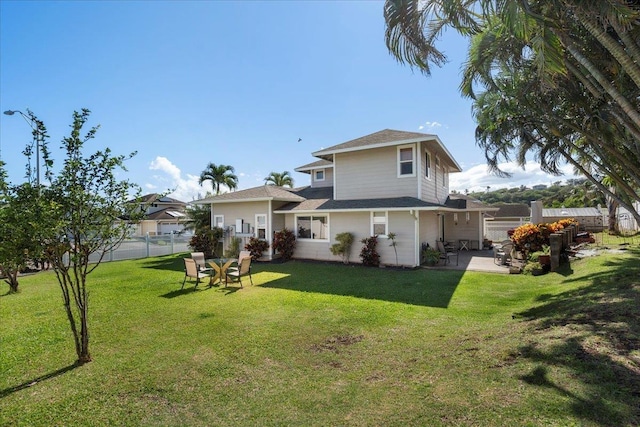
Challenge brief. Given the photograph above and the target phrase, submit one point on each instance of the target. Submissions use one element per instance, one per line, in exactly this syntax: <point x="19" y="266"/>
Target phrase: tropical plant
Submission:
<point x="392" y="238"/>
<point x="283" y="179"/>
<point x="233" y="251"/>
<point x="343" y="247"/>
<point x="368" y="254"/>
<point x="198" y="217"/>
<point x="558" y="79"/>
<point x="206" y="240"/>
<point x="284" y="243"/>
<point x="430" y="255"/>
<point x="219" y="176"/>
<point x="256" y="247"/>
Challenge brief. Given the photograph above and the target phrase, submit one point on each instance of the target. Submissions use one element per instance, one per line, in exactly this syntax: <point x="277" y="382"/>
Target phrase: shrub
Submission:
<point x="206" y="240"/>
<point x="343" y="247"/>
<point x="532" y="237"/>
<point x="284" y="242"/>
<point x="256" y="247"/>
<point x="233" y="251"/>
<point x="368" y="254"/>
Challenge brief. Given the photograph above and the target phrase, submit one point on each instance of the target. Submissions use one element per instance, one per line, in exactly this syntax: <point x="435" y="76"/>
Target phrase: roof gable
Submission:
<point x="385" y="138"/>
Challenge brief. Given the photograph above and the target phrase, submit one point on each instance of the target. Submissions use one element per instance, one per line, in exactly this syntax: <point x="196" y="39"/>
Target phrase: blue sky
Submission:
<point x="192" y="82"/>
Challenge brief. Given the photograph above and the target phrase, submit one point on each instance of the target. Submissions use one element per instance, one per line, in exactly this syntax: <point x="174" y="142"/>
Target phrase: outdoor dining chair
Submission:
<point x="244" y="269"/>
<point x="191" y="270"/>
<point x="446" y="254"/>
<point x="198" y="257"/>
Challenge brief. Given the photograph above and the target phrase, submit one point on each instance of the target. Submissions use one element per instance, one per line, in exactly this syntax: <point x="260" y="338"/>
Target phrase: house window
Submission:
<point x="379" y="223"/>
<point x="313" y="227"/>
<point x="261" y="226"/>
<point x="406" y="162"/>
<point x="445" y="177"/>
<point x="218" y="221"/>
<point x="437" y="162"/>
<point x="427" y="164"/>
<point x="319" y="175"/>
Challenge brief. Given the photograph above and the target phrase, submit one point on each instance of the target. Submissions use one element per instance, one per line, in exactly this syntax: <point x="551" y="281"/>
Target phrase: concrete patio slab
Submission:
<point x="474" y="260"/>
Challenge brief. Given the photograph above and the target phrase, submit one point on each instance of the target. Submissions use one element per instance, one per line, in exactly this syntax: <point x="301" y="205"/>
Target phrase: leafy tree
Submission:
<point x="92" y="203"/>
<point x="26" y="221"/>
<point x="198" y="217"/>
<point x="559" y="79"/>
<point x="219" y="175"/>
<point x="283" y="179"/>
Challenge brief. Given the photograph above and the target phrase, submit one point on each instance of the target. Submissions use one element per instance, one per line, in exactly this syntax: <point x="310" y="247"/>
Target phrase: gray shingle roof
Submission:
<point x="315" y="165"/>
<point x="461" y="201"/>
<point x="380" y="137"/>
<point x="263" y="192"/>
<point x="512" y="210"/>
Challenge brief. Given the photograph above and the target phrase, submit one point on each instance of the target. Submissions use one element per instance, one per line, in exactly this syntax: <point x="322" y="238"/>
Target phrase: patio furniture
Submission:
<point x="464" y="244"/>
<point x="502" y="254"/>
<point x="198" y="257"/>
<point x="219" y="266"/>
<point x="191" y="270"/>
<point x="446" y="254"/>
<point x="244" y="269"/>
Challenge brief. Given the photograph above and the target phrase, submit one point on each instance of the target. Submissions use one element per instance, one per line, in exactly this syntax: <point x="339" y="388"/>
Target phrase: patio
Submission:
<point x="474" y="260"/>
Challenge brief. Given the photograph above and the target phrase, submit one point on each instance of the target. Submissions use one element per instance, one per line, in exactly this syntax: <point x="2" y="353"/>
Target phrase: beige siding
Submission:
<point x="243" y="210"/>
<point x="328" y="178"/>
<point x="401" y="223"/>
<point x="371" y="174"/>
<point x="359" y="223"/>
<point x="428" y="228"/>
<point x="462" y="230"/>
<point x="428" y="185"/>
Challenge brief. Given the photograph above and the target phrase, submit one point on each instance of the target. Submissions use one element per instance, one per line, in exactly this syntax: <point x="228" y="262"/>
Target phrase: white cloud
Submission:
<point x="430" y="125"/>
<point x="477" y="177"/>
<point x="170" y="178"/>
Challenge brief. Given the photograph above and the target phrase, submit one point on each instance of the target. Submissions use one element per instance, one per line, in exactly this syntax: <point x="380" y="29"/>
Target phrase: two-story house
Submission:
<point x="162" y="215"/>
<point x="388" y="181"/>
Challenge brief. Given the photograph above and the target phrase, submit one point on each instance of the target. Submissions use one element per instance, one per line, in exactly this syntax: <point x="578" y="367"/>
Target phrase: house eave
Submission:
<point x="327" y="154"/>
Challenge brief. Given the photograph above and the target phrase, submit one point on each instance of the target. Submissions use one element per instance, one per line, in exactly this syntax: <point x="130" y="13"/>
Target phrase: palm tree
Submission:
<point x="579" y="57"/>
<point x="219" y="175"/>
<point x="280" y="179"/>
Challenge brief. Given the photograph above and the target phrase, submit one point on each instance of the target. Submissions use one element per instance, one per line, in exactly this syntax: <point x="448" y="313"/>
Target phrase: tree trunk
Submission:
<point x="612" y="206"/>
<point x="12" y="280"/>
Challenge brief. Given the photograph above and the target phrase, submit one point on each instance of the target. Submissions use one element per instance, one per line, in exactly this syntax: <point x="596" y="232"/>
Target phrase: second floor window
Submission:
<point x="406" y="161"/>
<point x="319" y="175"/>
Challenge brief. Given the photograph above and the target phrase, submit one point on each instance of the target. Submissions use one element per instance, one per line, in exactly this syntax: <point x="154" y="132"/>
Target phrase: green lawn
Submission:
<point x="319" y="344"/>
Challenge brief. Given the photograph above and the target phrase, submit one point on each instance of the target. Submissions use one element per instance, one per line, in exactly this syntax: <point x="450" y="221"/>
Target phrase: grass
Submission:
<point x="328" y="344"/>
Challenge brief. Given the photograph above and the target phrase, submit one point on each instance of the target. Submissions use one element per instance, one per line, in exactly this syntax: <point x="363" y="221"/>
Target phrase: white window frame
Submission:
<point x="375" y="222"/>
<point x="445" y="177"/>
<point x="427" y="167"/>
<point x="401" y="162"/>
<point x="216" y="221"/>
<point x="258" y="227"/>
<point x="311" y="216"/>
<point x="315" y="175"/>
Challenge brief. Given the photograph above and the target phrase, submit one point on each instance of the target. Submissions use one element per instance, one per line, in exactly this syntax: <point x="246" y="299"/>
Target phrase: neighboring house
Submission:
<point x="389" y="181"/>
<point x="590" y="219"/>
<point x="163" y="215"/>
<point x="508" y="216"/>
<point x="626" y="221"/>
